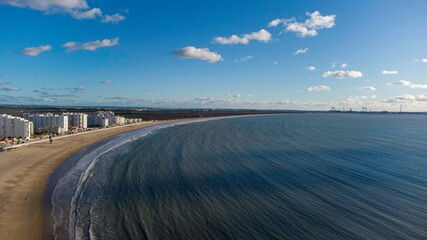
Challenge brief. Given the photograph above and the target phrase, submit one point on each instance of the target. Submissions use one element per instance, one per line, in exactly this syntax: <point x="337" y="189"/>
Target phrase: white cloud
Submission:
<point x="344" y="65"/>
<point x="301" y="51"/>
<point x="368" y="88"/>
<point x="234" y="39"/>
<point x="424" y="60"/>
<point x="47" y="5"/>
<point x="115" y="18"/>
<point x="8" y="89"/>
<point x="317" y="21"/>
<point x="78" y="9"/>
<point x="89" y="14"/>
<point x="311" y="68"/>
<point x="301" y="30"/>
<point x="318" y="88"/>
<point x="106" y="82"/>
<point x="276" y="22"/>
<point x="389" y="72"/>
<point x="408" y="98"/>
<point x="191" y="52"/>
<point x="244" y="59"/>
<point x="409" y="84"/>
<point x="343" y="74"/>
<point x="261" y="36"/>
<point x="90" y="46"/>
<point x="35" y="51"/>
<point x="311" y="25"/>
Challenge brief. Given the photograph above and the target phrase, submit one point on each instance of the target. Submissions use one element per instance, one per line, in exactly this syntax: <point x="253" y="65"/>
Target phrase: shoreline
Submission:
<point x="25" y="174"/>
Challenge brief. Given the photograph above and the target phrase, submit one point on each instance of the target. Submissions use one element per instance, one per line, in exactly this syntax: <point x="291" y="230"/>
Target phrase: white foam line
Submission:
<point x="98" y="152"/>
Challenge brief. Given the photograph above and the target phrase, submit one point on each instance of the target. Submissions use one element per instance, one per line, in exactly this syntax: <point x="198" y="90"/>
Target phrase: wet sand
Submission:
<point x="24" y="175"/>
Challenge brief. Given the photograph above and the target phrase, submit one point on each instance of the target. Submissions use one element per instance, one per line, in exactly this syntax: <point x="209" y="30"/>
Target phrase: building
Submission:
<point x="97" y="121"/>
<point x="116" y="120"/>
<point x="133" y="120"/>
<point x="105" y="119"/>
<point x="77" y="120"/>
<point x="15" y="127"/>
<point x="48" y="122"/>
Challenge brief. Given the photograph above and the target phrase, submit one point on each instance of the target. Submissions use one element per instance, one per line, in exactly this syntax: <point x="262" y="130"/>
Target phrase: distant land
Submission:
<point x="162" y="113"/>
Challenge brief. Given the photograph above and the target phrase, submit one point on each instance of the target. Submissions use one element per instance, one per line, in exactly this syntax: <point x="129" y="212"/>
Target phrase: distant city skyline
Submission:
<point x="302" y="55"/>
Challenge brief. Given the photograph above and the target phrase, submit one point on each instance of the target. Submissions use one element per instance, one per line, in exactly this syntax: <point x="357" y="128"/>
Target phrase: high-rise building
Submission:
<point x="15" y="127"/>
<point x="116" y="120"/>
<point x="105" y="119"/>
<point x="48" y="122"/>
<point x="97" y="121"/>
<point x="77" y="120"/>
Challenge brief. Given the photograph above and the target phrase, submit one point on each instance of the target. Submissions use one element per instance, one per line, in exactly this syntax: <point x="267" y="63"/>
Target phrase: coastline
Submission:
<point x="24" y="178"/>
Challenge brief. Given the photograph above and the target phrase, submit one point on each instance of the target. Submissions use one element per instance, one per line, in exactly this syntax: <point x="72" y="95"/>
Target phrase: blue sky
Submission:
<point x="182" y="54"/>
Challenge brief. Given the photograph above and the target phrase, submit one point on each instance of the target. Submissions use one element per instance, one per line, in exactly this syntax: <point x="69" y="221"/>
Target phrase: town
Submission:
<point x="31" y="127"/>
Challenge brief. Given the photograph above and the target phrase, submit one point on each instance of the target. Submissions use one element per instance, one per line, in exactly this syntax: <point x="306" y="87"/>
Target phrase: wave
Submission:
<point x="313" y="176"/>
<point x="68" y="198"/>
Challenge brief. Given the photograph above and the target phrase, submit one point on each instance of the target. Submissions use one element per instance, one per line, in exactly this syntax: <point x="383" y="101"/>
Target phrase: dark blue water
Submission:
<point x="302" y="176"/>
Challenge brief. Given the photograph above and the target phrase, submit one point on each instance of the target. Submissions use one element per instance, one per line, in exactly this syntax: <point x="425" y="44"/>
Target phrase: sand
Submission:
<point x="24" y="175"/>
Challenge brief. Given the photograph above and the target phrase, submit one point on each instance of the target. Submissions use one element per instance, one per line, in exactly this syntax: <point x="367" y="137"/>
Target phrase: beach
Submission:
<point x="24" y="175"/>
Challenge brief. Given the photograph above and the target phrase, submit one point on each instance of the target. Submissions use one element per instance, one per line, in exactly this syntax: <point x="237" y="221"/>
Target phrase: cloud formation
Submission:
<point x="308" y="28"/>
<point x="318" y="88"/>
<point x="78" y="9"/>
<point x="35" y="51"/>
<point x="409" y="84"/>
<point x="368" y="88"/>
<point x="115" y="18"/>
<point x="47" y="5"/>
<point x="424" y="60"/>
<point x="311" y="68"/>
<point x="205" y="54"/>
<point x="343" y="74"/>
<point x="89" y="14"/>
<point x="244" y="59"/>
<point x="389" y="72"/>
<point x="91" y="46"/>
<point x="301" y="51"/>
<point x="50" y="93"/>
<point x="77" y="89"/>
<point x="8" y="89"/>
<point x="234" y="39"/>
<point x="276" y="22"/>
<point x="106" y="82"/>
<point x="408" y="98"/>
<point x="261" y="36"/>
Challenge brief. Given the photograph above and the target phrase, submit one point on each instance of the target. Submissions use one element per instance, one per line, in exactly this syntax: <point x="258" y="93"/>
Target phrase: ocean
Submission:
<point x="293" y="176"/>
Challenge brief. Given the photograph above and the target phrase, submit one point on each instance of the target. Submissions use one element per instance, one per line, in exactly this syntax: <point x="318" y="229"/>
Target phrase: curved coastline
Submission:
<point x="82" y="191"/>
<point x="25" y="177"/>
<point x="88" y="155"/>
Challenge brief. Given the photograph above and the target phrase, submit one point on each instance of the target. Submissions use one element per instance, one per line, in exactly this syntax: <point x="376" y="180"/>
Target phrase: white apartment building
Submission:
<point x="77" y="120"/>
<point x="15" y="127"/>
<point x="105" y="119"/>
<point x="116" y="120"/>
<point x="133" y="120"/>
<point x="48" y="122"/>
<point x="99" y="121"/>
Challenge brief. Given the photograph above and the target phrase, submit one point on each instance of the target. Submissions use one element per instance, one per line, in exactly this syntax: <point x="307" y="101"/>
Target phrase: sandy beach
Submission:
<point x="24" y="176"/>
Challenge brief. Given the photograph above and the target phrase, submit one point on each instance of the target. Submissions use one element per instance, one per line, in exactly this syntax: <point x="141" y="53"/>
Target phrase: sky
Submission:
<point x="269" y="54"/>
